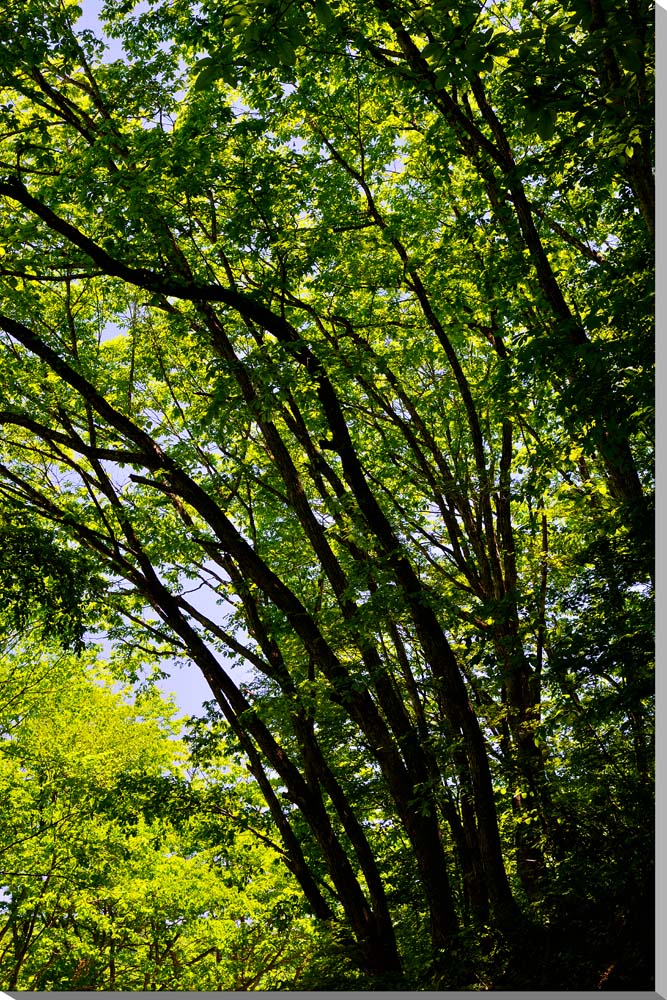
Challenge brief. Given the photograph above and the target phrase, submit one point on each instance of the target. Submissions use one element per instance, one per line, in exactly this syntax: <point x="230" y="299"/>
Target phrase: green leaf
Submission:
<point x="208" y="77"/>
<point x="545" y="124"/>
<point x="630" y="59"/>
<point x="324" y="13"/>
<point x="284" y="50"/>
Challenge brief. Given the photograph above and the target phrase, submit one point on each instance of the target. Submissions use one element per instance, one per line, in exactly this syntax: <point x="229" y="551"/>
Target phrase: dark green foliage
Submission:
<point x="45" y="584"/>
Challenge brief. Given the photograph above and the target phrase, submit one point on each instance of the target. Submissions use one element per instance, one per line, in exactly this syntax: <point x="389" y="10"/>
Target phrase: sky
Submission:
<point x="90" y="21"/>
<point x="185" y="681"/>
<point x="188" y="687"/>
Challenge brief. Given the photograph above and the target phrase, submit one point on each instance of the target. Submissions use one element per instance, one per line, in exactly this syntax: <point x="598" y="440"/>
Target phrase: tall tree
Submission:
<point x="339" y="313"/>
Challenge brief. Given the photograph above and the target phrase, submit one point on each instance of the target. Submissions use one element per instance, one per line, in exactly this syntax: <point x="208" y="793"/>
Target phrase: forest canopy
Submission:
<point x="327" y="370"/>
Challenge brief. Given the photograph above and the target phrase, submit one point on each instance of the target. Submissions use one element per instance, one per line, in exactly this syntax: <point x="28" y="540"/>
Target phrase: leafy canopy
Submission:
<point x="327" y="369"/>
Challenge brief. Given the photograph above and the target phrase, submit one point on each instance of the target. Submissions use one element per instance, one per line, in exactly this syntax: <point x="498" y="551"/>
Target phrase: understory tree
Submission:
<point x="326" y="353"/>
<point x="123" y="864"/>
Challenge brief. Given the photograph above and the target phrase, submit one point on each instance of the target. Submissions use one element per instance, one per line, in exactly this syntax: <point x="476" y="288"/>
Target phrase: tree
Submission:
<point x="123" y="867"/>
<point x="339" y="314"/>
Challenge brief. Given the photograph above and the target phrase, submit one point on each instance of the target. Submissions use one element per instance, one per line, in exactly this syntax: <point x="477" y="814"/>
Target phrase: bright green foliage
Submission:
<point x="106" y="885"/>
<point x="327" y="338"/>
